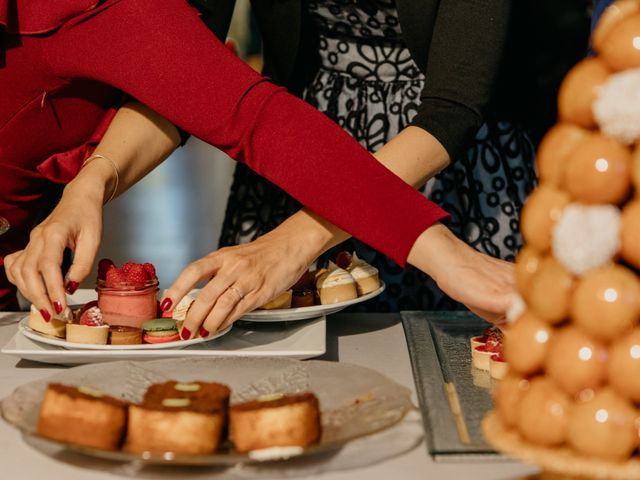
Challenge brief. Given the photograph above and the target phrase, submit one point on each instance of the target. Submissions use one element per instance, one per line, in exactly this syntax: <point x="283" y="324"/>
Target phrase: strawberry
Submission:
<point x="89" y="305"/>
<point x="103" y="267"/>
<point x="126" y="268"/>
<point x="91" y="317"/>
<point x="114" y="277"/>
<point x="137" y="275"/>
<point x="343" y="260"/>
<point x="150" y="269"/>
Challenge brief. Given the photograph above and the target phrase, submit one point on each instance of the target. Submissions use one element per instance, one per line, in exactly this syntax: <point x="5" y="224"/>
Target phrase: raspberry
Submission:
<point x="343" y="260"/>
<point x="103" y="267"/>
<point x="137" y="275"/>
<point x="126" y="268"/>
<point x="150" y="269"/>
<point x="114" y="277"/>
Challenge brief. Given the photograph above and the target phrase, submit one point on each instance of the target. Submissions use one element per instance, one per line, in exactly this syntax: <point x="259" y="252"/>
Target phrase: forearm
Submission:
<point x="414" y="155"/>
<point x="137" y="140"/>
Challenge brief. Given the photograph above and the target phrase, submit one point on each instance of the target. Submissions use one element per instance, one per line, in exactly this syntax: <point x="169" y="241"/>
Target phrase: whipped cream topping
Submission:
<point x="586" y="237"/>
<point x="360" y="269"/>
<point x="335" y="276"/>
<point x="617" y="106"/>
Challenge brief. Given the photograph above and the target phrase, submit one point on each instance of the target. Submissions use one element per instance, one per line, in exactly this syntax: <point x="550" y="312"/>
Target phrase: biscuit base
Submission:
<point x="560" y="460"/>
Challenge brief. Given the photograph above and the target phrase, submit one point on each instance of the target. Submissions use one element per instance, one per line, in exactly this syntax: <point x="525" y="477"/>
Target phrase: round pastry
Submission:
<point x="527" y="264"/>
<point x="281" y="301"/>
<point x="623" y="367"/>
<point x="507" y="396"/>
<point x="606" y="302"/>
<point x="578" y="91"/>
<point x="586" y="237"/>
<point x="604" y="426"/>
<point x="554" y="148"/>
<point x="181" y="309"/>
<point x="575" y="361"/>
<point x="617" y="107"/>
<point x="481" y="357"/>
<point x="336" y="285"/>
<point x="630" y="233"/>
<point x="123" y="335"/>
<point x="611" y="17"/>
<point x="54" y="327"/>
<point x="539" y="214"/>
<point x="620" y="51"/>
<point x="303" y="298"/>
<point x="543" y="413"/>
<point x="90" y="328"/>
<point x="365" y="275"/>
<point x="550" y="292"/>
<point x="160" y="330"/>
<point x="598" y="171"/>
<point x="527" y="343"/>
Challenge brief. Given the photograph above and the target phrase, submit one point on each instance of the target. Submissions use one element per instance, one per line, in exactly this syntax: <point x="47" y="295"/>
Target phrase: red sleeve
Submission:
<point x="166" y="58"/>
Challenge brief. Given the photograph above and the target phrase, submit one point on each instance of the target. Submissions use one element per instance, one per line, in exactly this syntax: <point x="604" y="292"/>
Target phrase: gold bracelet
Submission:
<point x="115" y="167"/>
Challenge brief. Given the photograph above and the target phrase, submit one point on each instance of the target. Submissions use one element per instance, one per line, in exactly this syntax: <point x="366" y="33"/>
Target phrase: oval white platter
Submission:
<point x="60" y="342"/>
<point x="304" y="313"/>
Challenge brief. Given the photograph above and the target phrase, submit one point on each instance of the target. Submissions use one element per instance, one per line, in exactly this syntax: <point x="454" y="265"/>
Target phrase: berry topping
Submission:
<point x="92" y="317"/>
<point x="104" y="266"/>
<point x="137" y="275"/>
<point x="150" y="269"/>
<point x="343" y="260"/>
<point x="115" y="276"/>
<point x="88" y="305"/>
<point x="126" y="268"/>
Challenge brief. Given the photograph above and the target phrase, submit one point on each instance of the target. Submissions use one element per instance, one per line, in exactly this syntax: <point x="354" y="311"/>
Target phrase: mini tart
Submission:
<point x="477" y="341"/>
<point x="303" y="298"/>
<point x="335" y="286"/>
<point x="498" y="368"/>
<point x="281" y="301"/>
<point x="275" y="421"/>
<point x="186" y="418"/>
<point x="54" y="328"/>
<point x="123" y="335"/>
<point x="77" y="333"/>
<point x="82" y="416"/>
<point x="481" y="357"/>
<point x="365" y="275"/>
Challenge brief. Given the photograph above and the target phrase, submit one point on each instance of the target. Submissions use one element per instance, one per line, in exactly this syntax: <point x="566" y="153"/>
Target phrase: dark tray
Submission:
<point x="453" y="396"/>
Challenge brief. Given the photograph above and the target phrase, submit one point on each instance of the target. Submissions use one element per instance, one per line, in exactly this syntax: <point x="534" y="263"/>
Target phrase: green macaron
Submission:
<point x="160" y="326"/>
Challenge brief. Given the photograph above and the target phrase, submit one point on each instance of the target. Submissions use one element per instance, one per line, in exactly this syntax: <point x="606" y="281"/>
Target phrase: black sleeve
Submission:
<point x="464" y="56"/>
<point x="216" y="15"/>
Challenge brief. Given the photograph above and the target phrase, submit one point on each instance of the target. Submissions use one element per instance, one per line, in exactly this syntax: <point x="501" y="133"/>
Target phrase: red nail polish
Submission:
<point x="185" y="333"/>
<point x="46" y="315"/>
<point x="166" y="304"/>
<point x="58" y="307"/>
<point x="71" y="287"/>
<point x="204" y="333"/>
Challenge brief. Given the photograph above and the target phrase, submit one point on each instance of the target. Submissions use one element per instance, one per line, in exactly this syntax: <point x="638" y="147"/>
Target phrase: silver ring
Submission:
<point x="237" y="291"/>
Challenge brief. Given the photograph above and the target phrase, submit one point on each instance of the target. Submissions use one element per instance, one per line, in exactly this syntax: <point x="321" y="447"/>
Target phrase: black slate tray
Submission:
<point x="453" y="396"/>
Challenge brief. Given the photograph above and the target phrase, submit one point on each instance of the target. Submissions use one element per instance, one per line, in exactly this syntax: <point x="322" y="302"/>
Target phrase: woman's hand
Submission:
<point x="484" y="284"/>
<point x="76" y="222"/>
<point x="243" y="277"/>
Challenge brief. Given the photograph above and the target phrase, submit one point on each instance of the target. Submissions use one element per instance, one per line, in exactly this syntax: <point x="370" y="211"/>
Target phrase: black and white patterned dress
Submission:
<point x="369" y="84"/>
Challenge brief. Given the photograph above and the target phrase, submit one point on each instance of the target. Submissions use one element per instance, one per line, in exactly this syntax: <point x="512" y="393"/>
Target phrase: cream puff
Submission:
<point x="336" y="285"/>
<point x="365" y="275"/>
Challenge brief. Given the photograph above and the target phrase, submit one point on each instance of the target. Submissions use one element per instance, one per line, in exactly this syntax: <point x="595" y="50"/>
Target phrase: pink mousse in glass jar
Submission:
<point x="127" y="304"/>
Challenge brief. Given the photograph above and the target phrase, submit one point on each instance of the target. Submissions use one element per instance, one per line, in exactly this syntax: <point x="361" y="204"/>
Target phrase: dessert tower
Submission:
<point x="571" y="400"/>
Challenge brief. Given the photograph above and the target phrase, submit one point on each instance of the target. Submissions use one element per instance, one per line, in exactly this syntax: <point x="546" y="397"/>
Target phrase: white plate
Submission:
<point x="297" y="340"/>
<point x="23" y="328"/>
<point x="303" y="313"/>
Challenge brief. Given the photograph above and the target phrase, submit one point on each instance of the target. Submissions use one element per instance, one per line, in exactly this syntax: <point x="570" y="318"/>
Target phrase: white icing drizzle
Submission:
<point x="360" y="269"/>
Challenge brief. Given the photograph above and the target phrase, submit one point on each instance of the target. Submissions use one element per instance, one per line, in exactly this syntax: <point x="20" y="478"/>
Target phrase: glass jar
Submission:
<point x="127" y="304"/>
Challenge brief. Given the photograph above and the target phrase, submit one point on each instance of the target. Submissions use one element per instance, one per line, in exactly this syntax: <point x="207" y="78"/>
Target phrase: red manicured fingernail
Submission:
<point x="166" y="304"/>
<point x="46" y="315"/>
<point x="185" y="333"/>
<point x="58" y="307"/>
<point x="204" y="332"/>
<point x="71" y="287"/>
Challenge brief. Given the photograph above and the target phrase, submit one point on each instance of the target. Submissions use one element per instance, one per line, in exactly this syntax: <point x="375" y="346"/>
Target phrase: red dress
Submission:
<point x="65" y="64"/>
